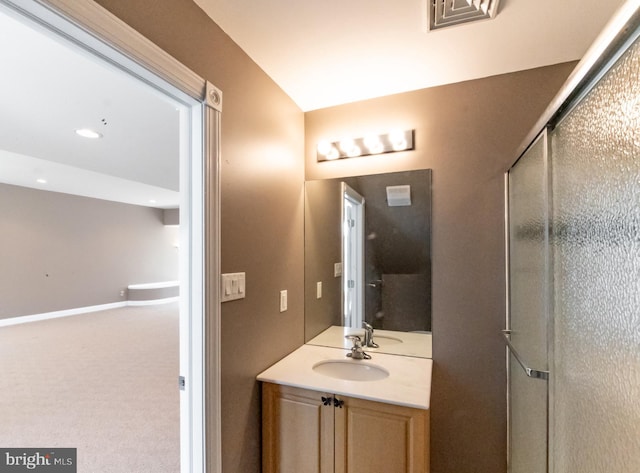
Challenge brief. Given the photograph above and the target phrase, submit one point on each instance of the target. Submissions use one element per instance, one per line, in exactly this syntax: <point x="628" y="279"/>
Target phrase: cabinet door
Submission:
<point x="380" y="438"/>
<point x="297" y="431"/>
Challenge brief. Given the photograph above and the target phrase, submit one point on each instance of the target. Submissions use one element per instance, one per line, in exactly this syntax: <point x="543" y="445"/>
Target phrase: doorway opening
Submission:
<point x="196" y="132"/>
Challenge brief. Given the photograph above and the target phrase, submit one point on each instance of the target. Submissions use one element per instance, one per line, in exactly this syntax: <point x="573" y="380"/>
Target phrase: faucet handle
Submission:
<point x="357" y="353"/>
<point x="357" y="341"/>
<point x="368" y="335"/>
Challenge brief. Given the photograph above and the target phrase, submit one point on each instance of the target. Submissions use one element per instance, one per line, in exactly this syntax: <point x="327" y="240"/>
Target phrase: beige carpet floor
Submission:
<point x="104" y="383"/>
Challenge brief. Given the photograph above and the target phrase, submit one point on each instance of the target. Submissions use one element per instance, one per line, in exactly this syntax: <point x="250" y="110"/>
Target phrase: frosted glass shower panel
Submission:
<point x="596" y="258"/>
<point x="528" y="308"/>
<point x="528" y="254"/>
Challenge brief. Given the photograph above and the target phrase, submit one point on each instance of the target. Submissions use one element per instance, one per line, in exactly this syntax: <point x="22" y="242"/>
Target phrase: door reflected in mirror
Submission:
<point x="368" y="260"/>
<point x="353" y="232"/>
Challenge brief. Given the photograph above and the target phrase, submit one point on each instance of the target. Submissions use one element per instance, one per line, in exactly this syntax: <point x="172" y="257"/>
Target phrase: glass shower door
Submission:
<point x="596" y="251"/>
<point x="528" y="236"/>
<point x="574" y="267"/>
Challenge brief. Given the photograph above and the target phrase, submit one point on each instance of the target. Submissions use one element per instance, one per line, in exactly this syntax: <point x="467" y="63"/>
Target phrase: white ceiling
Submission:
<point x="322" y="53"/>
<point x="48" y="90"/>
<point x="329" y="52"/>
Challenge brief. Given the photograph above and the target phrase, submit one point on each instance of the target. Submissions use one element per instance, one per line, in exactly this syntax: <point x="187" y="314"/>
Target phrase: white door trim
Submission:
<point x="353" y="268"/>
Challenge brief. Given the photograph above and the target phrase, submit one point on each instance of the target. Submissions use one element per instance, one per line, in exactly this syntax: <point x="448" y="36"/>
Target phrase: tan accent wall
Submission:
<point x="262" y="171"/>
<point x="468" y="134"/>
<point x="60" y="251"/>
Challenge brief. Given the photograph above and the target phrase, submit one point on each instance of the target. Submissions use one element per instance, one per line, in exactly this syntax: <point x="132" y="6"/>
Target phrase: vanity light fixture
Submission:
<point x="371" y="144"/>
<point x="88" y="133"/>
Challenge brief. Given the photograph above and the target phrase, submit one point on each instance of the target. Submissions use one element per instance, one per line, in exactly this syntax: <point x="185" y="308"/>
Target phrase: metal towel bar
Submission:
<point x="539" y="374"/>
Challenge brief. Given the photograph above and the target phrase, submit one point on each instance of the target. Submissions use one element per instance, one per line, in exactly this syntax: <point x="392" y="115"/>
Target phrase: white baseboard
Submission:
<point x="80" y="310"/>
<point x="154" y="285"/>
<point x="154" y="302"/>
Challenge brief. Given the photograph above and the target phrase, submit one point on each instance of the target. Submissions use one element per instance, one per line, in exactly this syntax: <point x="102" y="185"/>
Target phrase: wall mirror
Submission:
<point x="368" y="260"/>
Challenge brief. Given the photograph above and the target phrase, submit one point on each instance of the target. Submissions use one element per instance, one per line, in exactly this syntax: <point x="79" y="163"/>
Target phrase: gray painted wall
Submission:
<point x="323" y="248"/>
<point x="468" y="134"/>
<point x="59" y="251"/>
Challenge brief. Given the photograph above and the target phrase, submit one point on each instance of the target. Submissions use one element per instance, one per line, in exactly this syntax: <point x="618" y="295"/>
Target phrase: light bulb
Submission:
<point x="324" y="148"/>
<point x="354" y="151"/>
<point x="373" y="144"/>
<point x="398" y="140"/>
<point x="349" y="147"/>
<point x="333" y="153"/>
<point x="346" y="144"/>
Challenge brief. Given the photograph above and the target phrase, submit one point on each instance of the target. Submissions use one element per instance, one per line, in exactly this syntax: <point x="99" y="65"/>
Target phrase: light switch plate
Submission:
<point x="283" y="301"/>
<point x="337" y="270"/>
<point x="232" y="287"/>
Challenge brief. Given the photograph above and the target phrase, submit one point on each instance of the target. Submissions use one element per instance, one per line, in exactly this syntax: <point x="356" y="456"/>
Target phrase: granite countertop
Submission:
<point x="408" y="383"/>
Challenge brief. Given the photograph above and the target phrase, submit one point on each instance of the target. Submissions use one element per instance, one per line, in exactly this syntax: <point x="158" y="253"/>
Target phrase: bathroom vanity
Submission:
<point x="323" y="413"/>
<point x="366" y="267"/>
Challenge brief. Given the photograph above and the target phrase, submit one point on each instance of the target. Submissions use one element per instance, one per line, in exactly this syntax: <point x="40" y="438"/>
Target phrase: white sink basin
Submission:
<point x="350" y="370"/>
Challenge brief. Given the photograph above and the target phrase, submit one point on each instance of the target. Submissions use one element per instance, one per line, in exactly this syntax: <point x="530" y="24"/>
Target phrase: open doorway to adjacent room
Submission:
<point x="97" y="208"/>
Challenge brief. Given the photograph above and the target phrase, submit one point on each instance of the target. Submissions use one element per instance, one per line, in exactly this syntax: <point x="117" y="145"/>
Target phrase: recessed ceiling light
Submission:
<point x="152" y="201"/>
<point x="41" y="181"/>
<point x="87" y="133"/>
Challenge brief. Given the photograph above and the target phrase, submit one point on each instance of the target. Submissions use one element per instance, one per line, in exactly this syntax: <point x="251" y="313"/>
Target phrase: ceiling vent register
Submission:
<point x="443" y="13"/>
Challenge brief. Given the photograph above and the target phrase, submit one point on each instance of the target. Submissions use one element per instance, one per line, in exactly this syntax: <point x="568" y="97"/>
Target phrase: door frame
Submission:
<point x="357" y="266"/>
<point x="97" y="31"/>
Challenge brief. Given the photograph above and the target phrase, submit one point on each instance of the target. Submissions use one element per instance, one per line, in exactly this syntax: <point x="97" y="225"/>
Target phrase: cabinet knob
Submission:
<point x="327" y="401"/>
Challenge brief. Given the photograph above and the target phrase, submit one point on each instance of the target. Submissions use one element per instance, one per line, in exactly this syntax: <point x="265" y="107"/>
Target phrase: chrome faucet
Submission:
<point x="357" y="352"/>
<point x="368" y="336"/>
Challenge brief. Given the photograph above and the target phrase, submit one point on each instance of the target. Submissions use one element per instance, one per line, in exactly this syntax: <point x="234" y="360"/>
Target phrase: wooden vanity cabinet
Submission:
<point x="307" y="431"/>
<point x="297" y="431"/>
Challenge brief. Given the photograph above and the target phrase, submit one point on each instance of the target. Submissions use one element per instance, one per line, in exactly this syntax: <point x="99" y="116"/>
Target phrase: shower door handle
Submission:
<point x="532" y="373"/>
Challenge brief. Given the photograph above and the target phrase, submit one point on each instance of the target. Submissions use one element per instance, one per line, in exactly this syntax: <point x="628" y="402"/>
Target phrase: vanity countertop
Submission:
<point x="411" y="343"/>
<point x="408" y="383"/>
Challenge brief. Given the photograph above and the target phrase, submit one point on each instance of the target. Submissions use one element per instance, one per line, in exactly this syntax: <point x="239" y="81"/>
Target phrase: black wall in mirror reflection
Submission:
<point x="397" y="258"/>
